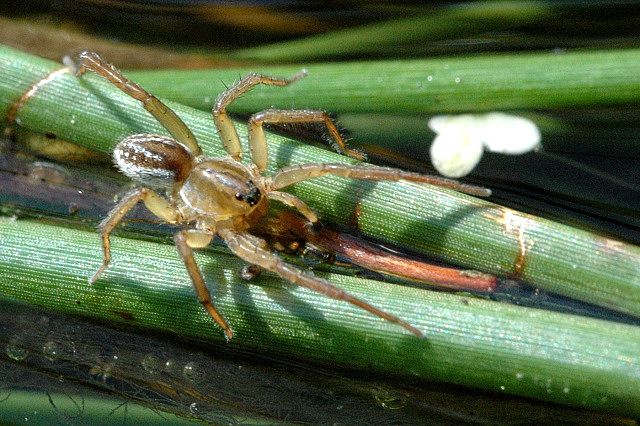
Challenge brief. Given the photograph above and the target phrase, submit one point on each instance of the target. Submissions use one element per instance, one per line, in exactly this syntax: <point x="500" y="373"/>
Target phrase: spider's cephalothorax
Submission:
<point x="222" y="196"/>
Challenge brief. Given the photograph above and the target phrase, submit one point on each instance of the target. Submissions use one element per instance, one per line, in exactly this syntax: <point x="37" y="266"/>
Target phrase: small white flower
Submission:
<point x="461" y="139"/>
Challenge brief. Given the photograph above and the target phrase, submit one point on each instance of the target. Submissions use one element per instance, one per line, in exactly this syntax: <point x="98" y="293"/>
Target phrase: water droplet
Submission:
<point x="169" y="366"/>
<point x="189" y="371"/>
<point x="388" y="399"/>
<point x="566" y="389"/>
<point x="419" y="84"/>
<point x="519" y="375"/>
<point x="457" y="79"/>
<point x="150" y="364"/>
<point x="429" y="78"/>
<point x="193" y="408"/>
<point x="502" y="387"/>
<point x="101" y="371"/>
<point x="250" y="272"/>
<point x="207" y="99"/>
<point x="50" y="350"/>
<point x="15" y="350"/>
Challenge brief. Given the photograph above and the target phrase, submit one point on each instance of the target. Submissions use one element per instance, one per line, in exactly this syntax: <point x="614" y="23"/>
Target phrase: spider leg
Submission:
<point x="154" y="202"/>
<point x="295" y="202"/>
<point x="185" y="240"/>
<point x="175" y="126"/>
<point x="250" y="249"/>
<point x="258" y="142"/>
<point x="227" y="130"/>
<point x="292" y="174"/>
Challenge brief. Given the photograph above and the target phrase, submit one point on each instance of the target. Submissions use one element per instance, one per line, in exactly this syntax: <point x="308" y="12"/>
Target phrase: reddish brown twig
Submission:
<point x="288" y="227"/>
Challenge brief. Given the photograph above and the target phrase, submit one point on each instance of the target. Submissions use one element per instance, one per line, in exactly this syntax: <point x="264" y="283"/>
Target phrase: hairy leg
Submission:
<point x="258" y="142"/>
<point x="228" y="133"/>
<point x="186" y="240"/>
<point x="165" y="116"/>
<point x="290" y="175"/>
<point x="249" y="248"/>
<point x="154" y="202"/>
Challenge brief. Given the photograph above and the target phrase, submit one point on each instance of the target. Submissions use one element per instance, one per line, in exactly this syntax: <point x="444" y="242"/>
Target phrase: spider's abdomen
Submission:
<point x="153" y="160"/>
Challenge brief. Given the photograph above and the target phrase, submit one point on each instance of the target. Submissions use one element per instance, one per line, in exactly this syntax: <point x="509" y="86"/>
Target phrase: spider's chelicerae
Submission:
<point x="222" y="196"/>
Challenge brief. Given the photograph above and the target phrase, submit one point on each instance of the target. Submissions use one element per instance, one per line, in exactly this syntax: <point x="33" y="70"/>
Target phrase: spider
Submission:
<point x="223" y="196"/>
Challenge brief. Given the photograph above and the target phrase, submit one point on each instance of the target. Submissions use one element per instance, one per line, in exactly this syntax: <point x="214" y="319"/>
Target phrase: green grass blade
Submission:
<point x="460" y="229"/>
<point x="454" y="21"/>
<point x="568" y="359"/>
<point x="430" y="86"/>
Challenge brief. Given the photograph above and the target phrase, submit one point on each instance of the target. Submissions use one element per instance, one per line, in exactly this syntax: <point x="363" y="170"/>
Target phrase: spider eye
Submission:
<point x="252" y="196"/>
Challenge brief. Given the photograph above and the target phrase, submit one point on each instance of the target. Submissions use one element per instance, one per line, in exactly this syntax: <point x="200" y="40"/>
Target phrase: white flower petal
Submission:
<point x="454" y="153"/>
<point x="508" y="134"/>
<point x="442" y="123"/>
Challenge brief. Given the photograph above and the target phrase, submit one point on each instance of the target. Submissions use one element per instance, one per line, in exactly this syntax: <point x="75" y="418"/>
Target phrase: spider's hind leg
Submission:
<point x="175" y="126"/>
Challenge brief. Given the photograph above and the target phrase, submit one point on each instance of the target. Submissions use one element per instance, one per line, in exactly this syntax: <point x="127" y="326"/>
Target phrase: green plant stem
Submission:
<point x="567" y="359"/>
<point x="433" y="86"/>
<point x="457" y="21"/>
<point x="22" y="406"/>
<point x="463" y="230"/>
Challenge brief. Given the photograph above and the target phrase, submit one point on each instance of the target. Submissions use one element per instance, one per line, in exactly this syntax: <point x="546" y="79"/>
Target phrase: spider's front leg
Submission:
<point x="293" y="174"/>
<point x="154" y="202"/>
<point x="186" y="240"/>
<point x="227" y="130"/>
<point x="252" y="249"/>
<point x="257" y="140"/>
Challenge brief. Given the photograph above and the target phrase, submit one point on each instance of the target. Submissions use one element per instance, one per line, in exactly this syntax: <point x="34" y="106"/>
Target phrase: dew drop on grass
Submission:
<point x="15" y="350"/>
<point x="150" y="364"/>
<point x="50" y="350"/>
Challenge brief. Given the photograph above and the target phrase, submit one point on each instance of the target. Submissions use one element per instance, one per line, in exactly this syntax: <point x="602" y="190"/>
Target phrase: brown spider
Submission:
<point x="222" y="196"/>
